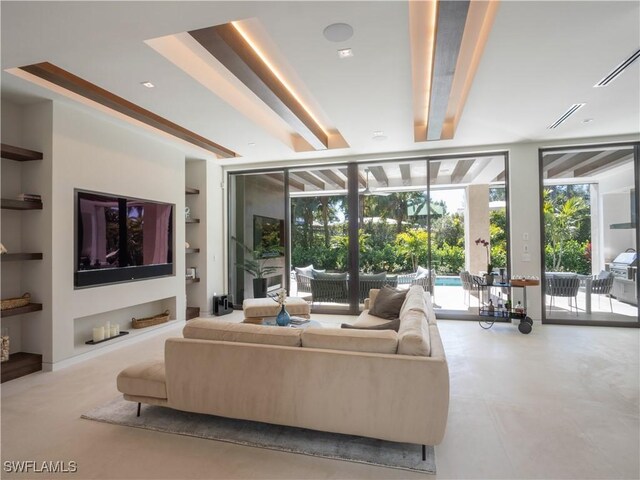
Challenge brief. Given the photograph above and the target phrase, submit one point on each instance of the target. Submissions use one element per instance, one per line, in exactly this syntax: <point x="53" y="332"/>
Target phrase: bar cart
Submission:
<point x="506" y="312"/>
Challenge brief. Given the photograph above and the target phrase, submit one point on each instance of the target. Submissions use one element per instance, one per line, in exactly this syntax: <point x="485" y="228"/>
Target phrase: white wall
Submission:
<point x="94" y="154"/>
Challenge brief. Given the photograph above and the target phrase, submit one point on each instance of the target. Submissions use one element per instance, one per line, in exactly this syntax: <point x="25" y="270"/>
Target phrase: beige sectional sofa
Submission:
<point x="373" y="383"/>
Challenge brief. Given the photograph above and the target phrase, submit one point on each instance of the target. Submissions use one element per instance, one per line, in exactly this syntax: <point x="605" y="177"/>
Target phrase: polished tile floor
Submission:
<point x="561" y="402"/>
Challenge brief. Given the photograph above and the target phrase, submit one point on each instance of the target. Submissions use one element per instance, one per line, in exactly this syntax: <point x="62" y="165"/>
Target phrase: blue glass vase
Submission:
<point x="283" y="319"/>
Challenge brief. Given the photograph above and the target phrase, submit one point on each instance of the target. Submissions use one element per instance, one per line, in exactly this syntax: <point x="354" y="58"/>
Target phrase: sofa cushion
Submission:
<point x="306" y="271"/>
<point x="352" y="340"/>
<point x="414" y="301"/>
<point x="390" y="325"/>
<point x="146" y="379"/>
<point x="209" y="329"/>
<point x="365" y="319"/>
<point x="413" y="335"/>
<point x="388" y="303"/>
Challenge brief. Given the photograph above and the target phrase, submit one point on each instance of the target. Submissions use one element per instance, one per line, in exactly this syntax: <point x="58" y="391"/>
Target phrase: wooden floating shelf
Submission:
<point x="191" y="250"/>
<point x="19" y="154"/>
<point x="32" y="307"/>
<point x="16" y="257"/>
<point x="192" y="280"/>
<point x="9" y="204"/>
<point x="20" y="364"/>
<point x="191" y="191"/>
<point x="189" y="220"/>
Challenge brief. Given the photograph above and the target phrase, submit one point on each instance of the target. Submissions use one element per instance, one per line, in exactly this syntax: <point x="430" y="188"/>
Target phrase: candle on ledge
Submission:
<point x="107" y="330"/>
<point x="98" y="334"/>
<point x="114" y="330"/>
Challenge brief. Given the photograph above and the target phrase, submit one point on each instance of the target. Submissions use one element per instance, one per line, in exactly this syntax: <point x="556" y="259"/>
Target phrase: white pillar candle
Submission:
<point x="107" y="330"/>
<point x="98" y="334"/>
<point x="117" y="329"/>
<point x="114" y="330"/>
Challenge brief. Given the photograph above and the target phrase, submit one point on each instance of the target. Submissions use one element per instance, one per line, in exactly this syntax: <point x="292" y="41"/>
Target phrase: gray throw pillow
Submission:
<point x="373" y="276"/>
<point x="388" y="303"/>
<point x="391" y="325"/>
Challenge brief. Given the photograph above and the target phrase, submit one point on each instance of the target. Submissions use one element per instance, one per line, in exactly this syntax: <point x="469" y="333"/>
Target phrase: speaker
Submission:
<point x="222" y="305"/>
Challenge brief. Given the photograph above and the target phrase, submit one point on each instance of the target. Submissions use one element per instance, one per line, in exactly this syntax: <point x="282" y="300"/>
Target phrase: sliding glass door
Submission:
<point x="331" y="233"/>
<point x="257" y="234"/>
<point x="589" y="221"/>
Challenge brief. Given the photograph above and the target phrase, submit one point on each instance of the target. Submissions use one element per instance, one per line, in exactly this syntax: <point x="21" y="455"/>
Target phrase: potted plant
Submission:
<point x="255" y="265"/>
<point x="488" y="277"/>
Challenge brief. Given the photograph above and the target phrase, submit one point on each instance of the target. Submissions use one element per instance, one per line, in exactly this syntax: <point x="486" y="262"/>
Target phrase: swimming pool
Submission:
<point x="448" y="282"/>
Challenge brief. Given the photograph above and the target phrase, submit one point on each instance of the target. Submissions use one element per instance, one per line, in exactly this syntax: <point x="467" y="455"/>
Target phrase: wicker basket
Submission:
<point x="149" y="321"/>
<point x="17" y="302"/>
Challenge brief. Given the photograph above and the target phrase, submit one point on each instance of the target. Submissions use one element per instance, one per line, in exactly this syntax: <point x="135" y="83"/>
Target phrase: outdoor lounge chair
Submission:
<point x="329" y="290"/>
<point x="602" y="285"/>
<point x="367" y="281"/>
<point x="564" y="286"/>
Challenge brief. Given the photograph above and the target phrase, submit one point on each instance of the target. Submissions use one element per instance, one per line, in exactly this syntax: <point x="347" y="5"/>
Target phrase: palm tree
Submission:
<point x="563" y="218"/>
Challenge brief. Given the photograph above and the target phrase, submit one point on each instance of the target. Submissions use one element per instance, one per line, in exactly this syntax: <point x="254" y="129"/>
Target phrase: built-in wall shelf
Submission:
<point x="19" y="154"/>
<point x="19" y="365"/>
<point x="193" y="280"/>
<point x="10" y="204"/>
<point x="191" y="191"/>
<point x="31" y="307"/>
<point x="188" y="220"/>
<point x="16" y="257"/>
<point x="191" y="250"/>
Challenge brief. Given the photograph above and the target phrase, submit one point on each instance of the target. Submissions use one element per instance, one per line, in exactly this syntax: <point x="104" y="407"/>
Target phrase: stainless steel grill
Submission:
<point x="623" y="265"/>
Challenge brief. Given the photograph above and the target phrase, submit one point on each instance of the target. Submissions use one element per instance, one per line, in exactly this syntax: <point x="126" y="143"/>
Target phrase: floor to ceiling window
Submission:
<point x="320" y="237"/>
<point x="257" y="230"/>
<point x="468" y="208"/>
<point x="589" y="223"/>
<point x="350" y="228"/>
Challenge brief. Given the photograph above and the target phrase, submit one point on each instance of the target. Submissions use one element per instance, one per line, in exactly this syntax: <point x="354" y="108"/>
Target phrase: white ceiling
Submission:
<point x="541" y="57"/>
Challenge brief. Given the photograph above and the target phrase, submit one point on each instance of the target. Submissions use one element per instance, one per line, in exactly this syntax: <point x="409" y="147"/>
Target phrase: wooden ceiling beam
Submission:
<point x="308" y="178"/>
<point x="332" y="177"/>
<point x="570" y="164"/>
<point x="405" y="171"/>
<point x="229" y="47"/>
<point x="434" y="168"/>
<point x="460" y="170"/>
<point x="279" y="177"/>
<point x="613" y="159"/>
<point x="361" y="178"/>
<point x="56" y="75"/>
<point x="380" y="175"/>
<point x="452" y="16"/>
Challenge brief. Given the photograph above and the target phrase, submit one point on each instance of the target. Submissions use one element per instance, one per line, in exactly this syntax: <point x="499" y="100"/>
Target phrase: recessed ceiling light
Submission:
<point x="147" y="84"/>
<point x="252" y="144"/>
<point x="338" y="32"/>
<point x="587" y="120"/>
<point x="345" y="53"/>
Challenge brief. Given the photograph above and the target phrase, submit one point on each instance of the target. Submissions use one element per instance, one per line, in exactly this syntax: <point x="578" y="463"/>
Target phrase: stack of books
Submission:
<point x="29" y="197"/>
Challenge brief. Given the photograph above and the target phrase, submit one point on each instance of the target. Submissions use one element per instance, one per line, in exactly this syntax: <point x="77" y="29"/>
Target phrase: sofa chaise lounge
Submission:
<point x="374" y="383"/>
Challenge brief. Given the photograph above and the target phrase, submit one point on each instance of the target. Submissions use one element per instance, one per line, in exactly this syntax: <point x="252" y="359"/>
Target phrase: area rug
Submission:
<point x="349" y="448"/>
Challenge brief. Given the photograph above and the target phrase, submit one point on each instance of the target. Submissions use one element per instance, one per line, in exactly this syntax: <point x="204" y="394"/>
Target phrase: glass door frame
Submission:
<point x="353" y="193"/>
<point x="636" y="167"/>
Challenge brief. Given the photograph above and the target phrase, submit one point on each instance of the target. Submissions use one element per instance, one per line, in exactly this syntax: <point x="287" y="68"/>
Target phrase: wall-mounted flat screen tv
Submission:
<point x="268" y="236"/>
<point x="120" y="239"/>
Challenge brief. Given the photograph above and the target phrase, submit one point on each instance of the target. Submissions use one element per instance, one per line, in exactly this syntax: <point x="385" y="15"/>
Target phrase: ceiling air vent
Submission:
<point x="611" y="76"/>
<point x="573" y="109"/>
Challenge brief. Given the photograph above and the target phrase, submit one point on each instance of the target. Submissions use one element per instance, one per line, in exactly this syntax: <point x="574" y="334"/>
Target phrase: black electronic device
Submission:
<point x="222" y="305"/>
